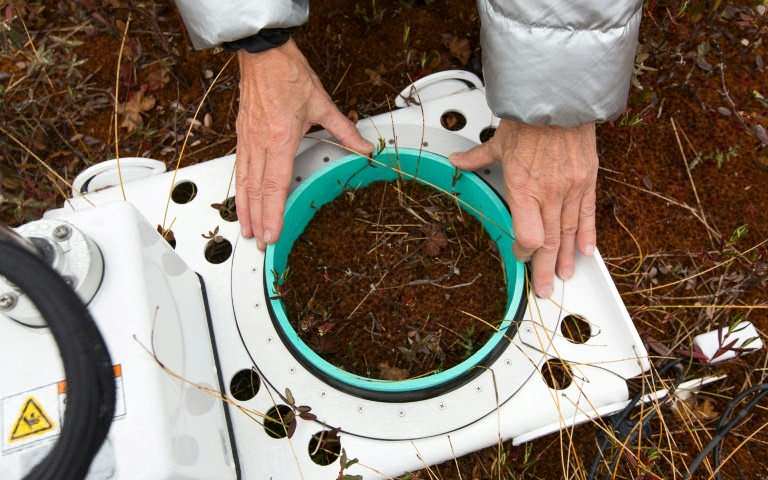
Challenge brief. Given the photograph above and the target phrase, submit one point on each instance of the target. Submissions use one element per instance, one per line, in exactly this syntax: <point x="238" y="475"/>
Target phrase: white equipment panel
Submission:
<point x="510" y="400"/>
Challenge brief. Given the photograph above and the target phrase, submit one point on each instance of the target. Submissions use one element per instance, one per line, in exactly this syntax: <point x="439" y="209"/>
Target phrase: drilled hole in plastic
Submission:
<point x="218" y="250"/>
<point x="298" y="179"/>
<point x="487" y="133"/>
<point x="325" y="447"/>
<point x="227" y="210"/>
<point x="184" y="192"/>
<point x="487" y="171"/>
<point x="245" y="384"/>
<point x="280" y="422"/>
<point x="576" y="329"/>
<point x="326" y="159"/>
<point x="453" y="120"/>
<point x="557" y="374"/>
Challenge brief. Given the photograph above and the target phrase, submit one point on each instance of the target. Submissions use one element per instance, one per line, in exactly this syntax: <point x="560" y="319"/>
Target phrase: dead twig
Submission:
<point x="117" y="100"/>
<point x="709" y="230"/>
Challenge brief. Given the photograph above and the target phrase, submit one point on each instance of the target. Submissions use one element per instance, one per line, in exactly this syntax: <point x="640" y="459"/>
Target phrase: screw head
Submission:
<point x="8" y="301"/>
<point x="62" y="232"/>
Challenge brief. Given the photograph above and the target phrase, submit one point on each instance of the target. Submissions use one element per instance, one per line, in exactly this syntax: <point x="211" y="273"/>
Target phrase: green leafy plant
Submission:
<point x="345" y="464"/>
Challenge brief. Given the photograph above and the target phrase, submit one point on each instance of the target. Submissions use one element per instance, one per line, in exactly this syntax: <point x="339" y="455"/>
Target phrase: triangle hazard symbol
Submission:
<point x="32" y="421"/>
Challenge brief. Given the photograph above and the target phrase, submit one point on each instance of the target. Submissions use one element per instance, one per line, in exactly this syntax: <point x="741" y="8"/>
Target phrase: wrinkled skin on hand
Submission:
<point x="550" y="172"/>
<point x="550" y="175"/>
<point x="281" y="98"/>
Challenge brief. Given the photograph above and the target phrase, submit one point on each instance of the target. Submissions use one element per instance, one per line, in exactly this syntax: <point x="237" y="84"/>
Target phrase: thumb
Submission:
<point x="474" y="158"/>
<point x="345" y="131"/>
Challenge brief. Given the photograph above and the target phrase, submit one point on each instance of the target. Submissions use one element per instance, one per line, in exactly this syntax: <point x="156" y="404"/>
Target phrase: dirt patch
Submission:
<point x="378" y="281"/>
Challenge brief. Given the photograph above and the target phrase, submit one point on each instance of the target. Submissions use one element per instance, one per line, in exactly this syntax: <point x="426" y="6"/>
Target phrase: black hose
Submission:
<point x="84" y="355"/>
<point x="728" y="421"/>
<point x="626" y="430"/>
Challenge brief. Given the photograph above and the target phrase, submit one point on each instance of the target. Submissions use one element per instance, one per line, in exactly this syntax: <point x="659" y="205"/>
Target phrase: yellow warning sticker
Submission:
<point x="32" y="421"/>
<point x="34" y="417"/>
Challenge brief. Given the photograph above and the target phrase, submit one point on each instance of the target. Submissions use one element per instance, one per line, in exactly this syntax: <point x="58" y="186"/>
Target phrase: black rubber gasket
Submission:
<point x="414" y="395"/>
<point x="219" y="375"/>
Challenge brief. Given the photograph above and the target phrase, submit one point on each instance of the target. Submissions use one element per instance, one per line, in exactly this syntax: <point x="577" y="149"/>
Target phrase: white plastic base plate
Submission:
<point x="510" y="400"/>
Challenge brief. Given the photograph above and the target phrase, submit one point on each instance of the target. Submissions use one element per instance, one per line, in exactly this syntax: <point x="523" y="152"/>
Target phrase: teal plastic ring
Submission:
<point x="353" y="172"/>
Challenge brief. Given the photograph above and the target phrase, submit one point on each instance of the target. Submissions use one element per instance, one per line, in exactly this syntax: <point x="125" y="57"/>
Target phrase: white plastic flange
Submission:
<point x="438" y="85"/>
<point x="729" y="343"/>
<point x="70" y="252"/>
<point x="106" y="174"/>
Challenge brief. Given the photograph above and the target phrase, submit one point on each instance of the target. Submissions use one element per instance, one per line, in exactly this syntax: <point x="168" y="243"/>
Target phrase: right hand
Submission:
<point x="551" y="177"/>
<point x="281" y="97"/>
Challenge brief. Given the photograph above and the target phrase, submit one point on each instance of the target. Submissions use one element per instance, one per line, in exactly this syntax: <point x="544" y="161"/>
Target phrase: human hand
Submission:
<point x="281" y="97"/>
<point x="550" y="175"/>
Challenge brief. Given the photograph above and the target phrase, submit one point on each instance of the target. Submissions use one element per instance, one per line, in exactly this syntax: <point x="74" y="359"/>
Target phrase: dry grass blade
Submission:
<point x="341" y="80"/>
<point x="34" y="50"/>
<point x="47" y="167"/>
<point x="410" y="176"/>
<point x="738" y="447"/>
<point x="432" y="474"/>
<point x="699" y="274"/>
<point x="640" y="256"/>
<point x="455" y="460"/>
<point x="672" y="201"/>
<point x="186" y="138"/>
<point x="282" y="421"/>
<point x="415" y="91"/>
<point x="202" y="388"/>
<point x="117" y="97"/>
<point x="693" y="184"/>
<point x="712" y="306"/>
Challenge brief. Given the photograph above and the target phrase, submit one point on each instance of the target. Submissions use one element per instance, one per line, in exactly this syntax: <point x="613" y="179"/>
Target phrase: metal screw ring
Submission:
<point x="8" y="301"/>
<point x="62" y="232"/>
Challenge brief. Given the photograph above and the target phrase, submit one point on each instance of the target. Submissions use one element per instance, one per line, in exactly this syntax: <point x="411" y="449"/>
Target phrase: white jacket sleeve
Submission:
<point x="558" y="62"/>
<point x="212" y="22"/>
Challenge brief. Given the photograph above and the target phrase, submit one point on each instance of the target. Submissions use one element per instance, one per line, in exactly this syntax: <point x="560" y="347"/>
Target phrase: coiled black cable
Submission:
<point x="84" y="355"/>
<point x="627" y="431"/>
<point x="728" y="421"/>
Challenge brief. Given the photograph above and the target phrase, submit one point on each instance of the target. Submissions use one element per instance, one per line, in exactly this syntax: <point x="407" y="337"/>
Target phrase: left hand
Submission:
<point x="550" y="175"/>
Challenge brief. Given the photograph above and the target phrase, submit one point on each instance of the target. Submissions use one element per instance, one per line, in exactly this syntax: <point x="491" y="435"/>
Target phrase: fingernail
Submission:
<point x="566" y="273"/>
<point x="260" y="245"/>
<point x="243" y="232"/>
<point x="589" y="249"/>
<point x="268" y="237"/>
<point x="545" y="291"/>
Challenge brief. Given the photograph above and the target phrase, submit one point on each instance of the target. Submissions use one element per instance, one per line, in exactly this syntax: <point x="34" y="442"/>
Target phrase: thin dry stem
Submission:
<point x="186" y="138"/>
<point x="117" y="97"/>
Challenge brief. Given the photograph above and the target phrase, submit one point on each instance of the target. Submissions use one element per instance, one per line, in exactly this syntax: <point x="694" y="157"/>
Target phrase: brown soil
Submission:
<point x="377" y="282"/>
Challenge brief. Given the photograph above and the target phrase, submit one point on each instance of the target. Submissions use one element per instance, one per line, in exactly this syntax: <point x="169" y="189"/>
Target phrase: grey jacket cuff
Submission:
<point x="546" y="68"/>
<point x="211" y="23"/>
